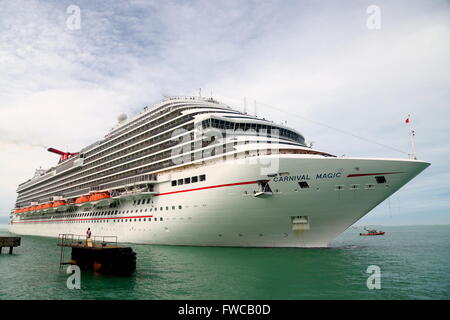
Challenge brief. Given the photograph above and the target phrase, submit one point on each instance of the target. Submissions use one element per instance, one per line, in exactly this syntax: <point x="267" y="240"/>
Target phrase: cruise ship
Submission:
<point x="194" y="171"/>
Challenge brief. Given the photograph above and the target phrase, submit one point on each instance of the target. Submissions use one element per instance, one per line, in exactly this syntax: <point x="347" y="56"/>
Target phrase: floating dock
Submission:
<point x="10" y="242"/>
<point x="99" y="254"/>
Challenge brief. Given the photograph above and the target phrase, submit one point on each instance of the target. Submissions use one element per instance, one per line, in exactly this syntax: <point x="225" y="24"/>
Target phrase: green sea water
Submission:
<point x="414" y="263"/>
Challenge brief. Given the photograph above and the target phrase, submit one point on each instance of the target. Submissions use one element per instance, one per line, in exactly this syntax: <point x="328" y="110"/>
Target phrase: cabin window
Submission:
<point x="180" y="182"/>
<point x="187" y="180"/>
<point x="194" y="179"/>
<point x="174" y="183"/>
<point x="202" y="177"/>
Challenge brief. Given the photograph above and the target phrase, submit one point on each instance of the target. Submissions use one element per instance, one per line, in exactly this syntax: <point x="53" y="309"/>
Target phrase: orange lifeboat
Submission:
<point x="47" y="206"/>
<point x="59" y="203"/>
<point x="81" y="200"/>
<point x="99" y="196"/>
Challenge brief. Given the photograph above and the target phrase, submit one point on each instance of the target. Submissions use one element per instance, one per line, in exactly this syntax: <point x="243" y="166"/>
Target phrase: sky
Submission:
<point x="342" y="74"/>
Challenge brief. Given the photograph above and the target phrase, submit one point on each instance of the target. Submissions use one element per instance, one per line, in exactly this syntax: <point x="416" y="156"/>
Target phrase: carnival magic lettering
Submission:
<point x="303" y="177"/>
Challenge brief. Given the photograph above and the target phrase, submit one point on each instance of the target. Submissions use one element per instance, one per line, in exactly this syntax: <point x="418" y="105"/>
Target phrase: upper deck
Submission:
<point x="145" y="144"/>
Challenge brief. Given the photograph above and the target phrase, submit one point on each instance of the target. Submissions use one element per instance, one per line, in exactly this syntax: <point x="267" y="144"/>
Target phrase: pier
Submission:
<point x="101" y="254"/>
<point x="10" y="242"/>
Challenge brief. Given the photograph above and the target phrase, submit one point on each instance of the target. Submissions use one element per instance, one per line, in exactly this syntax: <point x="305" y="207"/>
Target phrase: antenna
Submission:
<point x="413" y="145"/>
<point x="255" y="109"/>
<point x="199" y="92"/>
<point x="412" y="133"/>
<point x="245" y="105"/>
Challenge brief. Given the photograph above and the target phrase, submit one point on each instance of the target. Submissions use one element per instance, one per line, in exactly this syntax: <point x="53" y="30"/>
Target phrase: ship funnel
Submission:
<point x="64" y="155"/>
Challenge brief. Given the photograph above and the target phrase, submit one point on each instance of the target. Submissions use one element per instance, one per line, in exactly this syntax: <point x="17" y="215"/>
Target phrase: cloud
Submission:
<point x="316" y="61"/>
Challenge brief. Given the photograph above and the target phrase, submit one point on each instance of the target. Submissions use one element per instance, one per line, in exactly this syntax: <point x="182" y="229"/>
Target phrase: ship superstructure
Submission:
<point x="194" y="171"/>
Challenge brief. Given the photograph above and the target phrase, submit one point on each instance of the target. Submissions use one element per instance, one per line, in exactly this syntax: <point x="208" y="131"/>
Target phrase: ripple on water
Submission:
<point x="414" y="262"/>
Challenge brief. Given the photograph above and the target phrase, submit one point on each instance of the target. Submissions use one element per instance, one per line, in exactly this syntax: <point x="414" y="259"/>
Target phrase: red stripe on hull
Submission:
<point x="210" y="187"/>
<point x="85" y="219"/>
<point x="370" y="174"/>
<point x="160" y="194"/>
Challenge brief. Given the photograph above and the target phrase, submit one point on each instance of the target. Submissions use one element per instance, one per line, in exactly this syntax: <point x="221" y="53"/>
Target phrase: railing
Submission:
<point x="148" y="178"/>
<point x="71" y="240"/>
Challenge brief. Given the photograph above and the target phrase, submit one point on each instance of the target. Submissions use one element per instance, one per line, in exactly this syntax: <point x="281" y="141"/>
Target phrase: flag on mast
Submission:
<point x="407" y="119"/>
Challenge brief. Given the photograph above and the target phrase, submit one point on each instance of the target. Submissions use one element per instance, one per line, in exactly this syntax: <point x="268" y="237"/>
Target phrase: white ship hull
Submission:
<point x="218" y="212"/>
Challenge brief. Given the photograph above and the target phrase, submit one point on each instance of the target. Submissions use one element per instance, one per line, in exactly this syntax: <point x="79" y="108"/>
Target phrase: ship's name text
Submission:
<point x="304" y="177"/>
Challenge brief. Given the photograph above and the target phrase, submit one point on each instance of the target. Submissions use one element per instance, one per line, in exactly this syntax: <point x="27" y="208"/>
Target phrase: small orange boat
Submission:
<point x="378" y="233"/>
<point x="46" y="206"/>
<point x="372" y="233"/>
<point x="99" y="196"/>
<point x="59" y="203"/>
<point x="82" y="200"/>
